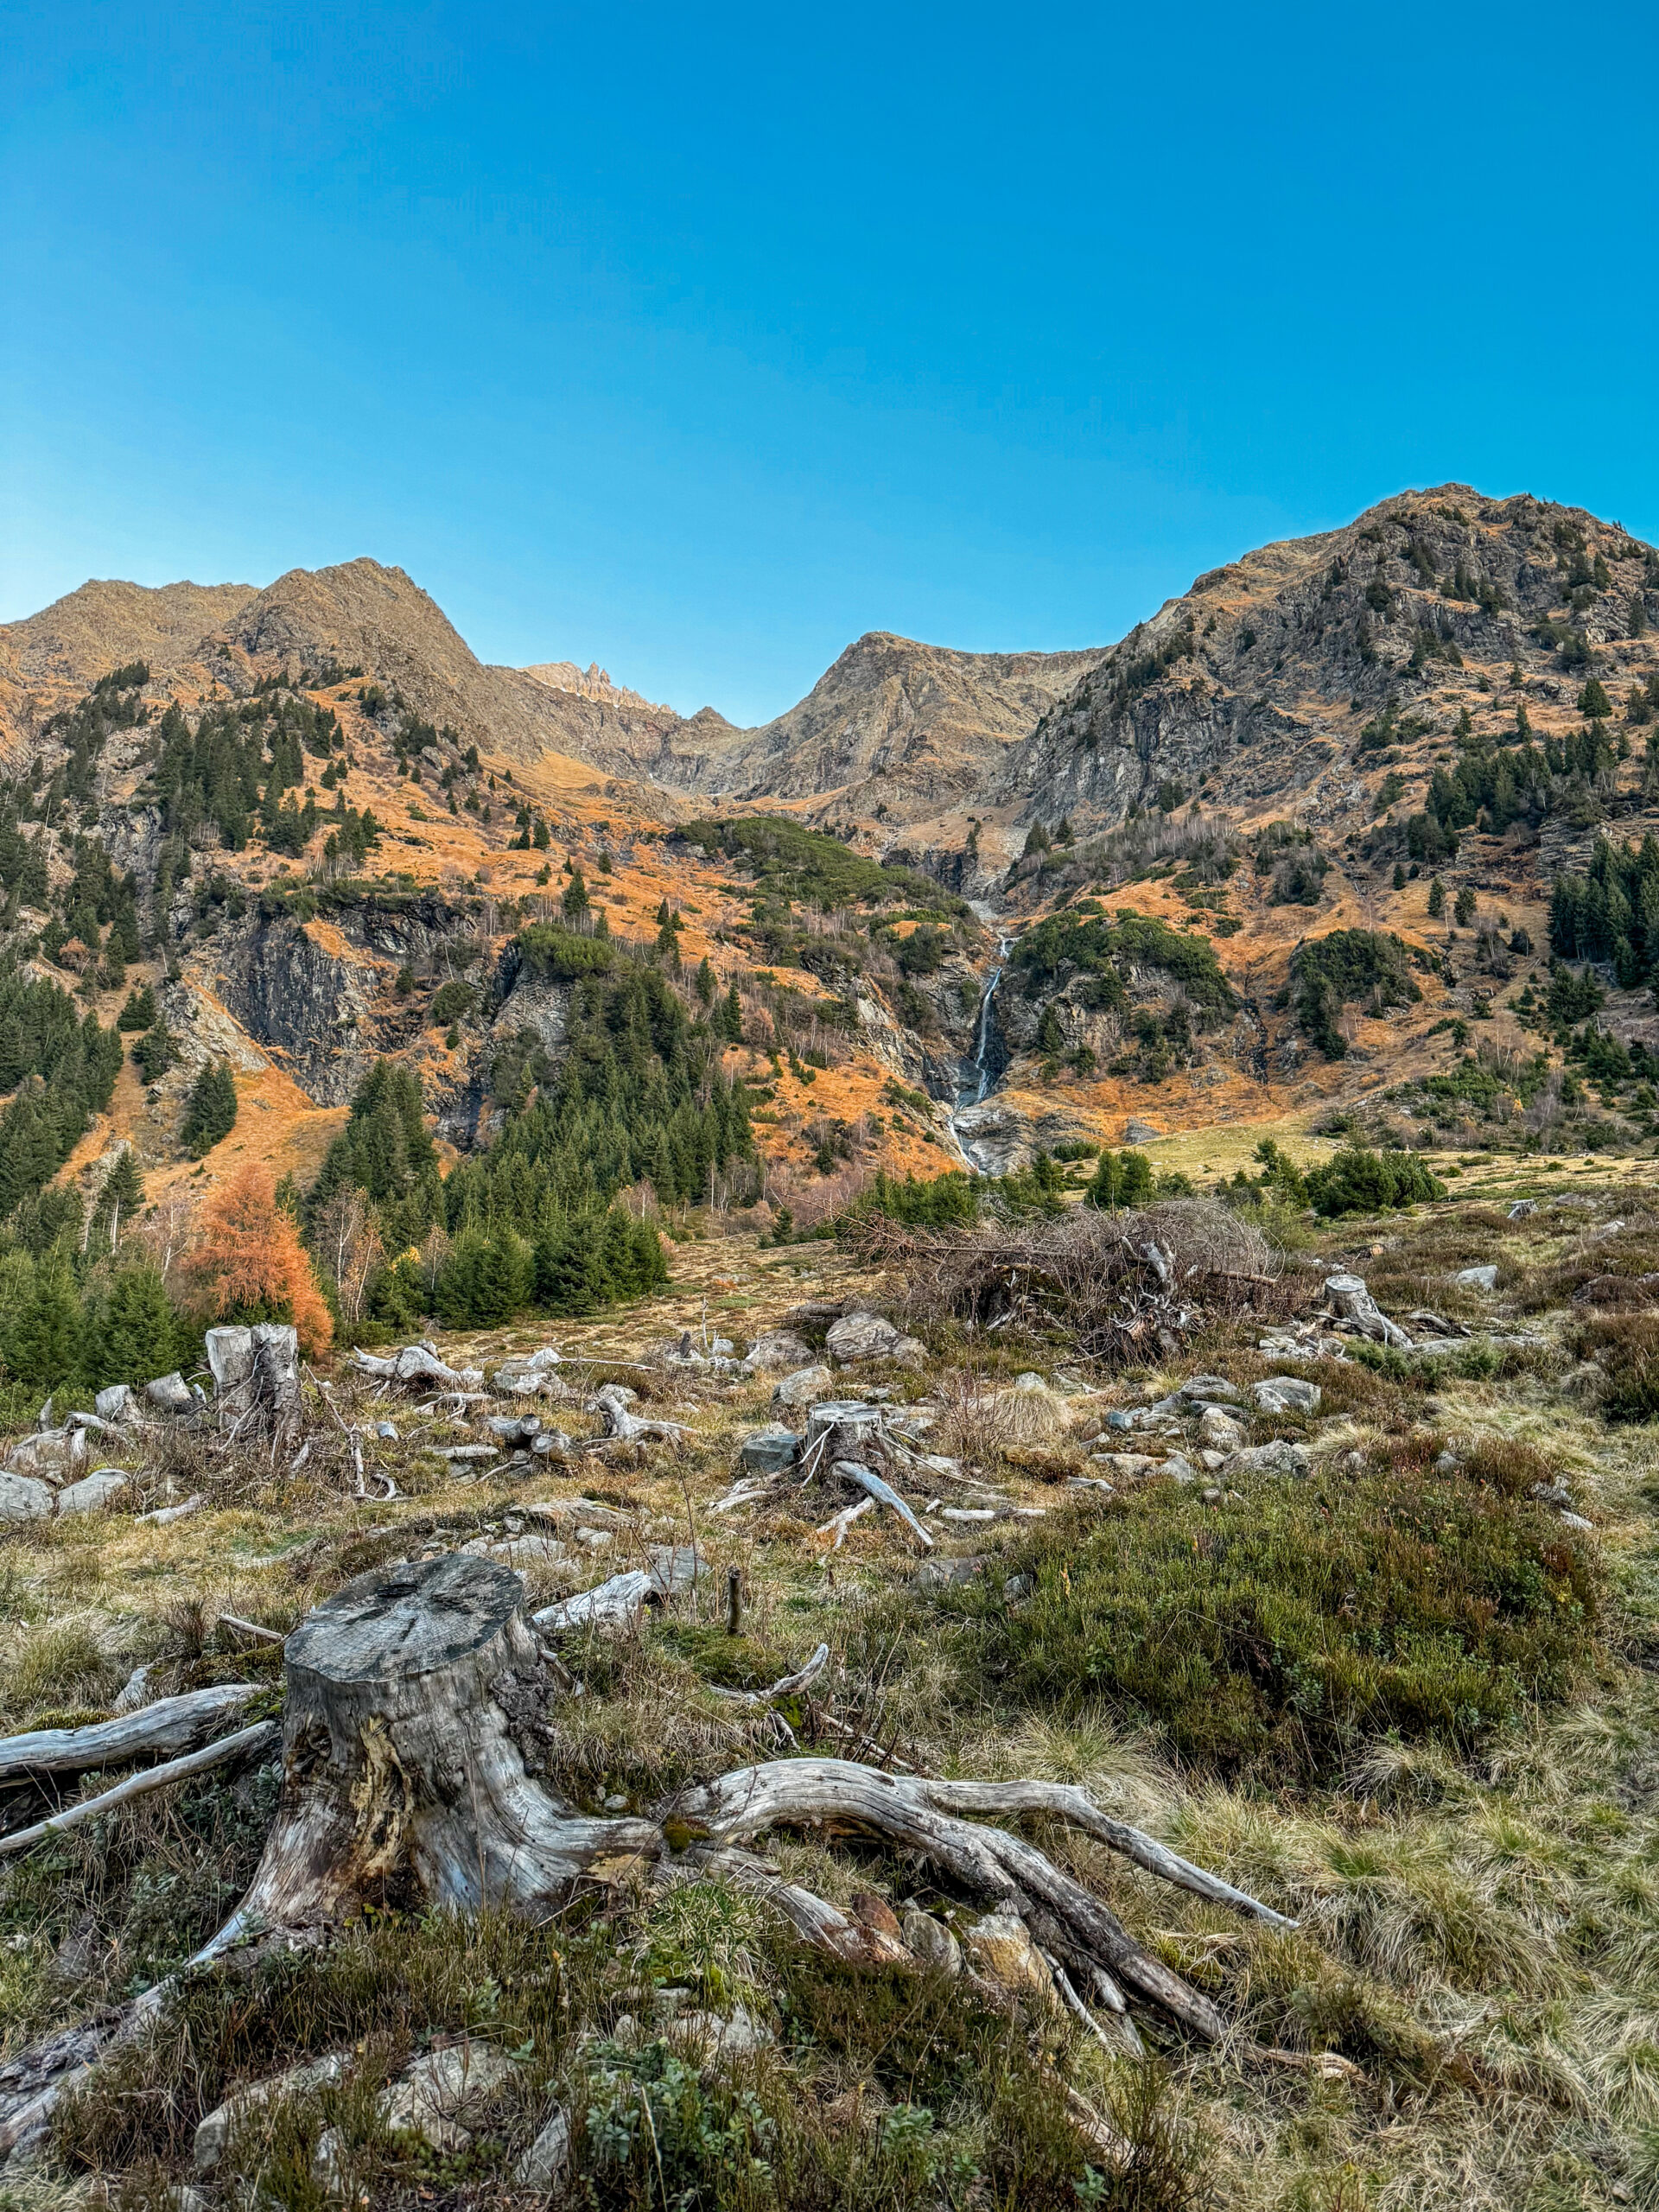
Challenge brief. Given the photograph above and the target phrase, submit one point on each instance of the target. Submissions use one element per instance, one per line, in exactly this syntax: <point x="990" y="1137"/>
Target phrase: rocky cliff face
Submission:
<point x="1253" y="685"/>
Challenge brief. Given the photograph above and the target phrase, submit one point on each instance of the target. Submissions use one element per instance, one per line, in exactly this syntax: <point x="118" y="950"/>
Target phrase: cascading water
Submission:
<point x="975" y="1077"/>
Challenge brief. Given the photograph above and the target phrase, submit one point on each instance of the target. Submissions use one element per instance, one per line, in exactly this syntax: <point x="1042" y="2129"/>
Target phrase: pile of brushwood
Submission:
<point x="1118" y="1286"/>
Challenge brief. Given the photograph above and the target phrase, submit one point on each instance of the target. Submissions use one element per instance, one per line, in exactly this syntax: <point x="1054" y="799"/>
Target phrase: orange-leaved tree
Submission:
<point x="249" y="1264"/>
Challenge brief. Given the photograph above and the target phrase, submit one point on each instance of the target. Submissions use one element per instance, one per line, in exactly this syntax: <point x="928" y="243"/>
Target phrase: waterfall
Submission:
<point x="974" y="1080"/>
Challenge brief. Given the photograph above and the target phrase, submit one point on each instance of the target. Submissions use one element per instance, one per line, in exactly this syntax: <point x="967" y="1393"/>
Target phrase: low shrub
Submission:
<point x="1275" y="1637"/>
<point x="1360" y="1181"/>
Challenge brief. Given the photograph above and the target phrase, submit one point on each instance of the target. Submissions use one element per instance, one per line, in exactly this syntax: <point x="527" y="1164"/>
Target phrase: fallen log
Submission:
<point x="854" y="1471"/>
<point x="243" y="1745"/>
<point x="618" y="1603"/>
<point x="171" y="1725"/>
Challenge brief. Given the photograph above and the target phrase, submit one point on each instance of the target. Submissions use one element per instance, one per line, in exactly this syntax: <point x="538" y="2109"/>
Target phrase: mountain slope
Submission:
<point x="1256" y="684"/>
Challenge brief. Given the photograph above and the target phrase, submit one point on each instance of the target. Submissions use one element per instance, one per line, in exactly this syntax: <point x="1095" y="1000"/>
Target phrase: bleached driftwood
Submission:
<point x="418" y="1363"/>
<point x="785" y="1686"/>
<point x="170" y="1725"/>
<point x="866" y="1480"/>
<point x="243" y="1745"/>
<point x="618" y="1603"/>
<point x="626" y="1427"/>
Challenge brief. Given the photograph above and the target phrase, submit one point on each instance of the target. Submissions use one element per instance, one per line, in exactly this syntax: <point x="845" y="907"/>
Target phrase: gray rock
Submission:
<point x="1276" y="1459"/>
<point x="1219" y="1431"/>
<point x="945" y="1573"/>
<point x="1119" y="1419"/>
<point x="1210" y="1390"/>
<point x="770" y="1451"/>
<point x="171" y="1394"/>
<point x="1555" y="1493"/>
<point x="861" y="1336"/>
<point x="932" y="1941"/>
<point x="801" y="1388"/>
<point x="214" y="2134"/>
<point x="1016" y="1589"/>
<point x="23" y="1498"/>
<point x="777" y="1352"/>
<point x="439" y="2093"/>
<point x="115" y="1403"/>
<point x="387" y="1430"/>
<point x="716" y="2036"/>
<point x="1523" y="1208"/>
<point x="1575" y="1521"/>
<point x="544" y="2162"/>
<point x="1286" y="1393"/>
<point x="1477" y="1278"/>
<point x="1179" y="1467"/>
<point x="93" y="1493"/>
<point x="1138" y="1131"/>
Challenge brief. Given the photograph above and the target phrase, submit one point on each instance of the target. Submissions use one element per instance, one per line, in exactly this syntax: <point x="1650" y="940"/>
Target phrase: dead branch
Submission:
<point x="171" y="1725"/>
<point x="240" y="1745"/>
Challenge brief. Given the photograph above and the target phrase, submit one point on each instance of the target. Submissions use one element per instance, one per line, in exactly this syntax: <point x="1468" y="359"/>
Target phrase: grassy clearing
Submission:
<point x="1407" y="1704"/>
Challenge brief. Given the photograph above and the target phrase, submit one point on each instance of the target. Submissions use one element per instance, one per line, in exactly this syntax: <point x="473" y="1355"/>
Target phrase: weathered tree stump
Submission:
<point x="413" y="1732"/>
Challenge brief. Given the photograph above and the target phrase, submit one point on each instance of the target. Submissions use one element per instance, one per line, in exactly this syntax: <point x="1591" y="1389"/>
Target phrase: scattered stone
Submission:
<point x="1219" y="1431"/>
<point x="770" y="1451"/>
<point x="1447" y="1462"/>
<point x="1000" y="1948"/>
<point x="1523" y="1208"/>
<point x="544" y="2162"/>
<point x="1016" y="1589"/>
<point x="945" y="1573"/>
<point x="930" y="1941"/>
<point x="1212" y="1460"/>
<point x="861" y="1336"/>
<point x="1279" y="1458"/>
<point x="171" y="1394"/>
<point x="732" y="2035"/>
<point x="23" y="1498"/>
<point x="1119" y="1419"/>
<point x="93" y="1493"/>
<point x="435" y="2096"/>
<point x="1180" y="1467"/>
<point x="1477" y="1278"/>
<point x="1286" y="1393"/>
<point x="801" y="1388"/>
<point x="214" y="2134"/>
<point x="777" y="1351"/>
<point x="1209" y="1389"/>
<point x="386" y="1431"/>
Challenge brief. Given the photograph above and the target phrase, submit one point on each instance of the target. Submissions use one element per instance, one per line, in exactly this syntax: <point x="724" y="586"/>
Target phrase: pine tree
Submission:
<point x="156" y="1052"/>
<point x="1050" y="1037"/>
<point x="705" y="983"/>
<point x="119" y="1202"/>
<point x="131" y="1334"/>
<point x="210" y="1115"/>
<point x="574" y="901"/>
<point x="43" y="1342"/>
<point x="1399" y="875"/>
<point x="139" y="1012"/>
<point x="730" y="1021"/>
<point x="1594" y="700"/>
<point x="1464" y="911"/>
<point x="1436" y="900"/>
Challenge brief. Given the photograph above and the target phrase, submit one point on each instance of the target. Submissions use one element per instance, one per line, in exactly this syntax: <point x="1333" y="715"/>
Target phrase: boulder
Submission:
<point x="716" y="2035"/>
<point x="438" y="2095"/>
<point x="93" y="1493"/>
<point x="1523" y="1208"/>
<point x="543" y="2165"/>
<point x="1354" y="1304"/>
<point x="1219" y="1431"/>
<point x="930" y="1941"/>
<point x="171" y="1394"/>
<point x="23" y="1498"/>
<point x="775" y="1352"/>
<point x="1210" y="1390"/>
<point x="1000" y="1948"/>
<point x="770" y="1451"/>
<point x="863" y="1336"/>
<point x="1277" y="1459"/>
<point x="52" y="1453"/>
<point x="1477" y="1278"/>
<point x="1286" y="1393"/>
<point x="214" y="2134"/>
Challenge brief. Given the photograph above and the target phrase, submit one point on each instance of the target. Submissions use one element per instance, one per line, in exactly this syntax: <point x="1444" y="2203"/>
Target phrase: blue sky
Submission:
<point x="699" y="343"/>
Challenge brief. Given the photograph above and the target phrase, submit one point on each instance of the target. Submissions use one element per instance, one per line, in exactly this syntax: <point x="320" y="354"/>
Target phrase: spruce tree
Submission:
<point x="1594" y="700"/>
<point x="705" y="983"/>
<point x="1464" y="911"/>
<point x="1436" y="898"/>
<point x="730" y="1023"/>
<point x="575" y="900"/>
<point x="133" y="1334"/>
<point x="1399" y="875"/>
<point x="210" y="1113"/>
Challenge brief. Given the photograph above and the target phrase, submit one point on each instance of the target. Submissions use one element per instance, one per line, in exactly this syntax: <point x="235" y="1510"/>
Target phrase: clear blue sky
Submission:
<point x="700" y="340"/>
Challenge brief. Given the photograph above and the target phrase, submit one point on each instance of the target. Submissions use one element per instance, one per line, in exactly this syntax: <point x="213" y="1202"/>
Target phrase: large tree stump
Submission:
<point x="416" y="1714"/>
